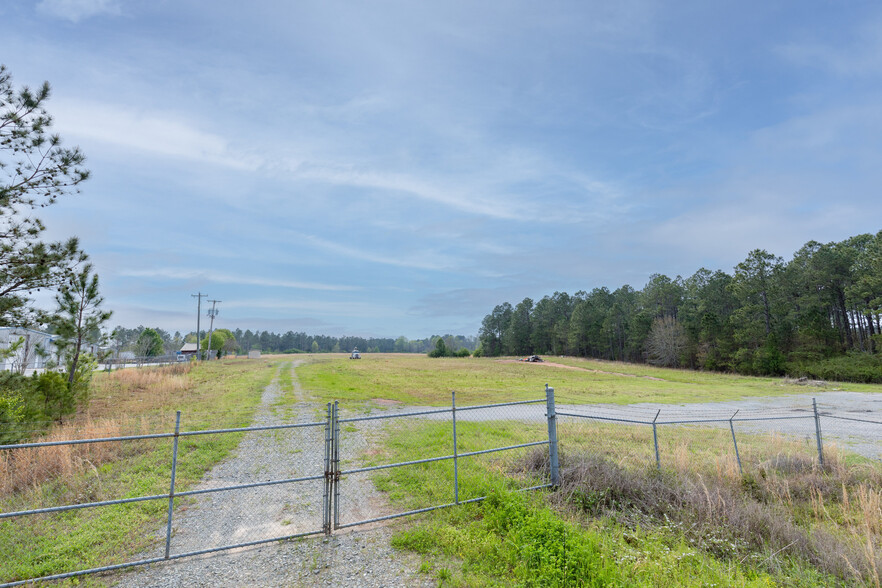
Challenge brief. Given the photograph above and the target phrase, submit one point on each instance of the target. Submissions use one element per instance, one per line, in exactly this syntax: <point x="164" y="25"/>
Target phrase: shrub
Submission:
<point x="12" y="413"/>
<point x="733" y="520"/>
<point x="55" y="396"/>
<point x="853" y="367"/>
<point x="440" y="349"/>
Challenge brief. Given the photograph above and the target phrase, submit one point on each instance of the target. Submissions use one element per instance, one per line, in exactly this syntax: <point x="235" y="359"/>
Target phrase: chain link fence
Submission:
<point x="445" y="453"/>
<point x="222" y="489"/>
<point x="720" y="438"/>
<point x="335" y="467"/>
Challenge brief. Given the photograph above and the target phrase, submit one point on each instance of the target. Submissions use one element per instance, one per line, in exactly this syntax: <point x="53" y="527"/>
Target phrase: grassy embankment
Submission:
<point x="615" y="520"/>
<point x="420" y="380"/>
<point x="132" y="401"/>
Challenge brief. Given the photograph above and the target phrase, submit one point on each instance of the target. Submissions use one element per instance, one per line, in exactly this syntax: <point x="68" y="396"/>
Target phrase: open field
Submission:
<point x="474" y="545"/>
<point x="424" y="381"/>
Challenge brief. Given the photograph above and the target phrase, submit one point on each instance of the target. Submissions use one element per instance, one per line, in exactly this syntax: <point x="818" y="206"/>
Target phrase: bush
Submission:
<point x="440" y="349"/>
<point x="854" y="367"/>
<point x="733" y="522"/>
<point x="57" y="399"/>
<point x="12" y="414"/>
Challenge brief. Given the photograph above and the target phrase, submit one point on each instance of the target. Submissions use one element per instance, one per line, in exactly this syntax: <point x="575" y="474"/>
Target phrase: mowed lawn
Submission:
<point x="421" y="380"/>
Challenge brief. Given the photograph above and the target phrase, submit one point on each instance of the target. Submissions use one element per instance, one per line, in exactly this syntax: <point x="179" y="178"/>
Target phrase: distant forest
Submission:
<point x="291" y="342"/>
<point x="134" y="340"/>
<point x="816" y="316"/>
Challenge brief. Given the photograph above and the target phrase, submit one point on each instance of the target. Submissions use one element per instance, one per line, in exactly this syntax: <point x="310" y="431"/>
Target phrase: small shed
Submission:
<point x="254" y="354"/>
<point x="188" y="350"/>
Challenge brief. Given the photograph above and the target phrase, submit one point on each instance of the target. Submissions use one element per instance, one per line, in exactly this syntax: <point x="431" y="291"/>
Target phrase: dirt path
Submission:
<point x="357" y="558"/>
<point x="581" y="369"/>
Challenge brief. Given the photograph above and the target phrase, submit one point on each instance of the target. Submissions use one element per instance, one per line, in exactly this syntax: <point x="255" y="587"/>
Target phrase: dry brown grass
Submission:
<point x="136" y="391"/>
<point x="21" y="469"/>
<point x="120" y="405"/>
<point x="788" y="507"/>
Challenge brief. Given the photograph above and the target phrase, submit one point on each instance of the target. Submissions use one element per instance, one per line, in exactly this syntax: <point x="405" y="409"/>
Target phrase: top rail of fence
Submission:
<point x="684" y="421"/>
<point x="159" y="435"/>
<point x="844" y="418"/>
<point x="437" y="411"/>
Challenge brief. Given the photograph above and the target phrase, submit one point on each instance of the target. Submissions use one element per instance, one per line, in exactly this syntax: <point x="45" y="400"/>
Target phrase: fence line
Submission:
<point x="332" y="475"/>
<point x="330" y="444"/>
<point x="865" y="441"/>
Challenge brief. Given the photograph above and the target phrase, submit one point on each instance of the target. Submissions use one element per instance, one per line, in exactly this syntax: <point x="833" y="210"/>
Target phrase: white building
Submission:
<point x="34" y="349"/>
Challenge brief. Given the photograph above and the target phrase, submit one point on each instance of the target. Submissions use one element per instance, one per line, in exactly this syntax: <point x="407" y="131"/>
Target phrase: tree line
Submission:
<point x="301" y="342"/>
<point x="816" y="315"/>
<point x="153" y="341"/>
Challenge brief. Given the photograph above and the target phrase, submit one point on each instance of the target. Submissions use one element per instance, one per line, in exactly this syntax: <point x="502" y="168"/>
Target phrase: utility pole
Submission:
<point x="212" y="313"/>
<point x="198" y="298"/>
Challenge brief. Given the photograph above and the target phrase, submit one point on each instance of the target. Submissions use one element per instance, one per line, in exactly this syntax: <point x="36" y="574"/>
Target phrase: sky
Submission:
<point x="387" y="168"/>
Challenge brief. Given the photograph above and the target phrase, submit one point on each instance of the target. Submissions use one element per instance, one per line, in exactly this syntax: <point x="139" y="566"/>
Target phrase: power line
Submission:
<point x="212" y="313"/>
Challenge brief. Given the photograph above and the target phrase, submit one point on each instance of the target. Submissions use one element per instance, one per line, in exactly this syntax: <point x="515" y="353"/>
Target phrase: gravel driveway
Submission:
<point x="361" y="558"/>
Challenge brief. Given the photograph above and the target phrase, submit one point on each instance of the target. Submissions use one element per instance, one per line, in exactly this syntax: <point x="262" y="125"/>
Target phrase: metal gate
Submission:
<point x="195" y="532"/>
<point x="345" y="514"/>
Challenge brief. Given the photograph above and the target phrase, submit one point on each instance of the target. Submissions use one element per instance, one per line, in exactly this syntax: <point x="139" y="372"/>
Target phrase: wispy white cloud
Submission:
<point x="166" y="134"/>
<point x="424" y="259"/>
<point x="352" y="308"/>
<point x="221" y="278"/>
<point x="860" y="57"/>
<point x="455" y="197"/>
<point x="77" y="10"/>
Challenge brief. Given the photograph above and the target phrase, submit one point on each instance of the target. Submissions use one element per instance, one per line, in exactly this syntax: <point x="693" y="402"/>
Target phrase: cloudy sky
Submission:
<point x="388" y="168"/>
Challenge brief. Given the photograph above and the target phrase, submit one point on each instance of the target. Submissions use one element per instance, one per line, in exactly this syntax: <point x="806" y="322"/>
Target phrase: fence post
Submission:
<point x="171" y="491"/>
<point x="326" y="494"/>
<point x="335" y="463"/>
<point x="735" y="442"/>
<point x="552" y="436"/>
<point x="455" y="455"/>
<point x="818" y="432"/>
<point x="655" y="440"/>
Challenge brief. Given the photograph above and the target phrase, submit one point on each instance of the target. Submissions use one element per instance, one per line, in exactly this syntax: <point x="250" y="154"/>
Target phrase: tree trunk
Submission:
<point x="840" y="300"/>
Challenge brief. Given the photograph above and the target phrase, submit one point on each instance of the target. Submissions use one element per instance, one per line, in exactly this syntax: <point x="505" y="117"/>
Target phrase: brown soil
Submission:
<point x="581" y="369"/>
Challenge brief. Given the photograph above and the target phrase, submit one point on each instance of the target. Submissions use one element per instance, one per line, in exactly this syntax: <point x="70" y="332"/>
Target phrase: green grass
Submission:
<point x="420" y="380"/>
<point x="223" y="395"/>
<point x="286" y="382"/>
<point x="515" y="538"/>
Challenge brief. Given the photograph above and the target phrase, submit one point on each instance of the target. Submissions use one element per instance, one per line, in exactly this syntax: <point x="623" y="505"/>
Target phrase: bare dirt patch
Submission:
<point x="386" y="402"/>
<point x="581" y="369"/>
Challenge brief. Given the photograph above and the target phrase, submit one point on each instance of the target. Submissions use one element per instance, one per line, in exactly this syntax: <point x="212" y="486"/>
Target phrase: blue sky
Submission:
<point x="399" y="168"/>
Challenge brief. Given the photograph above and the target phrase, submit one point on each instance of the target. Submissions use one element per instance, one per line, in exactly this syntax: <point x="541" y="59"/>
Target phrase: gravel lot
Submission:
<point x="361" y="558"/>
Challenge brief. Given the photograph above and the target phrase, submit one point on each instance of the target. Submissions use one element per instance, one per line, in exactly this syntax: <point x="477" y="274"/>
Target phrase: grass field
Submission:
<point x="420" y="380"/>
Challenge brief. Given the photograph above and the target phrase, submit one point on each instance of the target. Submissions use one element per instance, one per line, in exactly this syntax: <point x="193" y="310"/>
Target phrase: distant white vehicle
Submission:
<point x="355" y="354"/>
